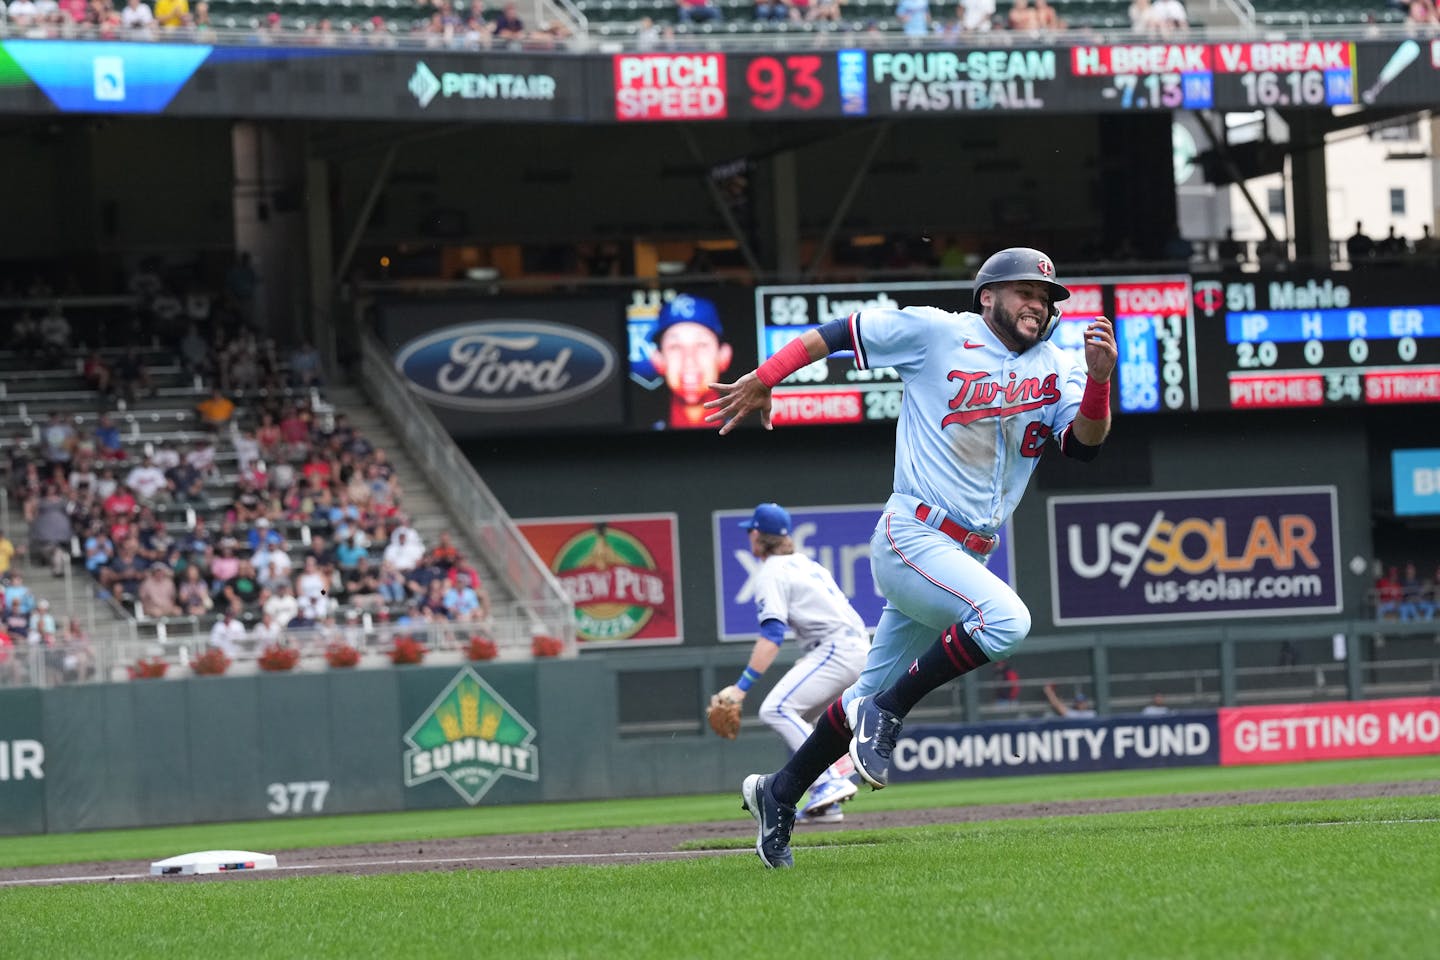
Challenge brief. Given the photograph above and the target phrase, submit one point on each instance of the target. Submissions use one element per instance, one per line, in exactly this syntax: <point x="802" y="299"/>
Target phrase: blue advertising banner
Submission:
<point x="838" y="538"/>
<point x="1194" y="555"/>
<point x="951" y="751"/>
<point x="1417" y="482"/>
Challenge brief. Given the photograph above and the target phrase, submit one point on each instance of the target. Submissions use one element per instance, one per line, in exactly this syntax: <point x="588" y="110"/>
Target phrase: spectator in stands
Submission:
<point x="305" y="366"/>
<point x="1157" y="707"/>
<point x="1230" y="251"/>
<point x="147" y="482"/>
<point x="195" y="353"/>
<point x="349" y="554"/>
<point x="43" y="628"/>
<point x="59" y="438"/>
<point x="1142" y="18"/>
<point x="1169" y="17"/>
<point x="1022" y="16"/>
<point x="312" y="582"/>
<point x="432" y="604"/>
<point x="99" y="550"/>
<point x="185" y="483"/>
<point x="465" y="602"/>
<point x="1046" y="18"/>
<point x="223" y="566"/>
<point x="1415" y="604"/>
<point x="108" y="444"/>
<point x="7" y="554"/>
<point x="1392" y="246"/>
<point x="272" y="565"/>
<point x="282" y="606"/>
<point x="96" y="373"/>
<point x="697" y="11"/>
<point x="1272" y="253"/>
<point x="975" y="16"/>
<point x="50" y="531"/>
<point x="392" y="584"/>
<point x="54" y="335"/>
<point x="914" y="16"/>
<point x="1079" y="709"/>
<point x="16" y="592"/>
<point x="77" y="659"/>
<point x="193" y="595"/>
<point x="156" y="544"/>
<point x="157" y="595"/>
<point x="130" y="372"/>
<point x="126" y="572"/>
<point x="267" y="631"/>
<point x="1421" y="11"/>
<point x="1388" y="594"/>
<point x="508" y="25"/>
<point x="1007" y="684"/>
<point x="1359" y="247"/>
<point x="17" y="625"/>
<point x="227" y="633"/>
<point x="216" y="411"/>
<point x="362" y="585"/>
<point x="242" y="590"/>
<point x="772" y="10"/>
<point x="263" y="533"/>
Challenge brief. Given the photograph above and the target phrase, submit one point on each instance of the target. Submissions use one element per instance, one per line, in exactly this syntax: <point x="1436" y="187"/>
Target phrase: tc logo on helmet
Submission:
<point x="1046" y="268"/>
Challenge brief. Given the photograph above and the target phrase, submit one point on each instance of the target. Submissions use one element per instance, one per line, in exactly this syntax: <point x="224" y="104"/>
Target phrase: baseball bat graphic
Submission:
<point x="1404" y="55"/>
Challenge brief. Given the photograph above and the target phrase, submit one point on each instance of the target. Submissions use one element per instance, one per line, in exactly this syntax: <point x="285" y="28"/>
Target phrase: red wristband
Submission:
<point x="1095" y="402"/>
<point x="789" y="358"/>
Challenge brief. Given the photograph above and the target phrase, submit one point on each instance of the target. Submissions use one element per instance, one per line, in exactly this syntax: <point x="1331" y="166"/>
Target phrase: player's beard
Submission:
<point x="1009" y="323"/>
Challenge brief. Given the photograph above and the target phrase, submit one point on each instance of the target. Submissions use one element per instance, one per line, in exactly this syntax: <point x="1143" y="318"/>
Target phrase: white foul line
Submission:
<point x="410" y="862"/>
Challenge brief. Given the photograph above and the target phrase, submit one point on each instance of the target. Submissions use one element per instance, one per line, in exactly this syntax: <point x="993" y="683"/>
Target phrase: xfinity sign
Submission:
<point x="425" y="85"/>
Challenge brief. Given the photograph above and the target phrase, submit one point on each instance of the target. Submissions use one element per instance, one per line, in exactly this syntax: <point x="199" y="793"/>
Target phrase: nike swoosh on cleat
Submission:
<point x="860" y="734"/>
<point x="973" y="346"/>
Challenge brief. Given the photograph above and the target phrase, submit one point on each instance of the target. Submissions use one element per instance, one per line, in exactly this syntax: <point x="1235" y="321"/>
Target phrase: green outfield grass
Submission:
<point x="1340" y="879"/>
<point x="273" y="835"/>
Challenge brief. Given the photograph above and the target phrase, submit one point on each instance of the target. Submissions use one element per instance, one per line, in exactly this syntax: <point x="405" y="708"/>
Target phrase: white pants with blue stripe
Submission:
<point x="810" y="686"/>
<point x="930" y="582"/>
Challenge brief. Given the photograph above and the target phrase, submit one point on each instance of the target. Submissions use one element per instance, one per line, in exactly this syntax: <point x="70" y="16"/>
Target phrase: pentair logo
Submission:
<point x="424" y="84"/>
<point x="1046" y="268"/>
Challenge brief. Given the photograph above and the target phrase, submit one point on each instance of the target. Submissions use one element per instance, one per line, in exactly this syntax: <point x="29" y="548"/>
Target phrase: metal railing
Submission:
<point x="730" y="35"/>
<point x="109" y="653"/>
<point x="467" y="498"/>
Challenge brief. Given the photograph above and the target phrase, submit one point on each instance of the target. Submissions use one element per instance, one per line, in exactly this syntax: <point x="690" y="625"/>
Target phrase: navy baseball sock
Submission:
<point x="953" y="655"/>
<point x="828" y="743"/>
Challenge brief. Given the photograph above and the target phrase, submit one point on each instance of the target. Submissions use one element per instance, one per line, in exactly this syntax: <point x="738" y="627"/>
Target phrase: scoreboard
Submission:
<point x="1186" y="343"/>
<point x="1156" y="370"/>
<point x="1331" y="339"/>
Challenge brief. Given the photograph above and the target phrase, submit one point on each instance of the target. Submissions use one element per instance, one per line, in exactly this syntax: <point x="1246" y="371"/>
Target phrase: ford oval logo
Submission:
<point x="506" y="365"/>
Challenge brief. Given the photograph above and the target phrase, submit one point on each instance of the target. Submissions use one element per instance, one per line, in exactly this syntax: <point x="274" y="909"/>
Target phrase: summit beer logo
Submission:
<point x="470" y="737"/>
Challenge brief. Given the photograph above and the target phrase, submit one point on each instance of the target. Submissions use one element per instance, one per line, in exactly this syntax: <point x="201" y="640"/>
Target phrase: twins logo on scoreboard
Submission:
<point x="1209" y="296"/>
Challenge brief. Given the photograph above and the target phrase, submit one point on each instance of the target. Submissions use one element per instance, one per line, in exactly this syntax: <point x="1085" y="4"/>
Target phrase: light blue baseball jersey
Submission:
<point x="975" y="416"/>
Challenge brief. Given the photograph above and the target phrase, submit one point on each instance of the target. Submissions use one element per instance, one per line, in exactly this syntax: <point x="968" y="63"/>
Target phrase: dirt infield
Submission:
<point x="642" y="844"/>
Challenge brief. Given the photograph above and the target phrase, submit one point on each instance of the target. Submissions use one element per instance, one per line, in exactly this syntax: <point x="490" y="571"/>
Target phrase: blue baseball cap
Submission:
<point x="768" y="518"/>
<point x="687" y="309"/>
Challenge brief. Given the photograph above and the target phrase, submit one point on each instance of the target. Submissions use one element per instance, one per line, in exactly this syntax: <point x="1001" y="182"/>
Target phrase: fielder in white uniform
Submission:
<point x="984" y="393"/>
<point x="793" y="591"/>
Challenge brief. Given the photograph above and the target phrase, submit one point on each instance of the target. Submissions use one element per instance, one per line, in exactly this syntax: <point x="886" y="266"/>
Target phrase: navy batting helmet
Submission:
<point x="1022" y="263"/>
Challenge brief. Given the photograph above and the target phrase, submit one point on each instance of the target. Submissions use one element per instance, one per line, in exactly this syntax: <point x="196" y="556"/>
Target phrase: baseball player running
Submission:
<point x="793" y="591"/>
<point x="984" y="392"/>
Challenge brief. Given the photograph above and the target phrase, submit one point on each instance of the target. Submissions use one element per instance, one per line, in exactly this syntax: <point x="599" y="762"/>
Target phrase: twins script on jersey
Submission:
<point x="975" y="416"/>
<point x="800" y="593"/>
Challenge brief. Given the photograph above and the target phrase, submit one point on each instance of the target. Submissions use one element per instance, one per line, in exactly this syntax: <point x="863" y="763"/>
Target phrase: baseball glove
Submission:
<point x="723" y="715"/>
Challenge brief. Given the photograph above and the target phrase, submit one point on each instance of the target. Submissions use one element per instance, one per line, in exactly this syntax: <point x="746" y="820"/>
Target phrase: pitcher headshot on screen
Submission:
<point x="690" y="354"/>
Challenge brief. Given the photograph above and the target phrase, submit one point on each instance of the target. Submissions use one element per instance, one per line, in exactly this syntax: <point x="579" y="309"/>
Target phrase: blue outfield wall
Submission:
<point x="214" y="749"/>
